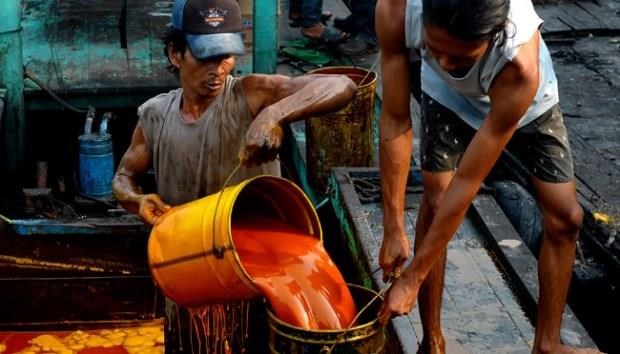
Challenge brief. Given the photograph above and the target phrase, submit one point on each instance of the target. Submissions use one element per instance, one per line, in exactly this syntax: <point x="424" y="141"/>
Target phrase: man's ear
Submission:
<point x="174" y="56"/>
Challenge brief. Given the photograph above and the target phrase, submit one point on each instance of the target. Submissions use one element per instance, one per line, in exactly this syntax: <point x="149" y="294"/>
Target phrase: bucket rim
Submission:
<point x="247" y="278"/>
<point x="372" y="73"/>
<point x="365" y="325"/>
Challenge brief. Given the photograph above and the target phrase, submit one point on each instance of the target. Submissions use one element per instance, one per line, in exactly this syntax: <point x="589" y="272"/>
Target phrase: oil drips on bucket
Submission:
<point x="295" y="274"/>
<point x="214" y="328"/>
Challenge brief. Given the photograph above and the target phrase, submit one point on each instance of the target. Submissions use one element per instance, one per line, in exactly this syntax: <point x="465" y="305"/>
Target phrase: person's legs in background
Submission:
<point x="295" y="13"/>
<point x="313" y="27"/>
<point x="361" y="24"/>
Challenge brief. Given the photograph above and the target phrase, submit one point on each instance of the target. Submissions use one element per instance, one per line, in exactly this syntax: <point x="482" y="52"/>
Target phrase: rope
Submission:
<point x="49" y="91"/>
<point x="369" y="71"/>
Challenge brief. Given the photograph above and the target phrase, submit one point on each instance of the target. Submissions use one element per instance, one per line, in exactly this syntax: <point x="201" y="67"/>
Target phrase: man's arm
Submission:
<point x="135" y="163"/>
<point x="511" y="95"/>
<point x="277" y="99"/>
<point x="395" y="132"/>
<point x="288" y="99"/>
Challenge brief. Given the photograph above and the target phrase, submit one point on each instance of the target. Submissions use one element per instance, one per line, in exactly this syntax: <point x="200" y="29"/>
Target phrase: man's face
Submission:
<point x="454" y="55"/>
<point x="204" y="77"/>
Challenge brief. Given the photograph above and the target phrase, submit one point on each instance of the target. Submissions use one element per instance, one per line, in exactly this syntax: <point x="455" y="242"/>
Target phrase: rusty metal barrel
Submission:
<point x="345" y="137"/>
<point x="366" y="337"/>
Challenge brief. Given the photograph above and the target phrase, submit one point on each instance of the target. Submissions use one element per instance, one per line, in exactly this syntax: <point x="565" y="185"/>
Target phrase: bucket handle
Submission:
<point x="218" y="251"/>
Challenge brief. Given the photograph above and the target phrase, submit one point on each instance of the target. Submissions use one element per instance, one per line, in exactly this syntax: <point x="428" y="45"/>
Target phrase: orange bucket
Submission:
<point x="191" y="251"/>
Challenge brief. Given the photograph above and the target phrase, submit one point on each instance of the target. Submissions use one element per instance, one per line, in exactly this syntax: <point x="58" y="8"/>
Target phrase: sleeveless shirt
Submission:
<point x="192" y="160"/>
<point x="468" y="96"/>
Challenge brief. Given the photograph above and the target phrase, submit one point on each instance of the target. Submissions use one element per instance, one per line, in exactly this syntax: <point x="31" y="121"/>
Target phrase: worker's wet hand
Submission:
<point x="394" y="252"/>
<point x="262" y="141"/>
<point x="151" y="208"/>
<point x="399" y="299"/>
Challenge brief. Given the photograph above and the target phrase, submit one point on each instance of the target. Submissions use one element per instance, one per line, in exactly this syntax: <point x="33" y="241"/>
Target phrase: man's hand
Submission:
<point x="399" y="299"/>
<point x="151" y="208"/>
<point x="394" y="252"/>
<point x="262" y="141"/>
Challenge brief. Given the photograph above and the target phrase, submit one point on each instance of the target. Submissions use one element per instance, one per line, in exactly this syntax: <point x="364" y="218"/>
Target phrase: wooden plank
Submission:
<point x="552" y="20"/>
<point x="480" y="313"/>
<point x="603" y="12"/>
<point x="65" y="302"/>
<point x="521" y="264"/>
<point x="77" y="47"/>
<point x="579" y="19"/>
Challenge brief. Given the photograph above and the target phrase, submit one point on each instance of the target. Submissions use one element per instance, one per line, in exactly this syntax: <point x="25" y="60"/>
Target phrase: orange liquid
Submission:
<point x="294" y="272"/>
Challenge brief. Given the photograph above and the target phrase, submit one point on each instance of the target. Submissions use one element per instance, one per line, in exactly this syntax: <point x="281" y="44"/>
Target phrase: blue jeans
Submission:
<point x="310" y="11"/>
<point x="362" y="19"/>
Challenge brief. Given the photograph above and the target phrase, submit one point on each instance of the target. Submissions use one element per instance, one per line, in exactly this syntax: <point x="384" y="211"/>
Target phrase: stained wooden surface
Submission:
<point x="579" y="17"/>
<point x="79" y="46"/>
<point x="480" y="312"/>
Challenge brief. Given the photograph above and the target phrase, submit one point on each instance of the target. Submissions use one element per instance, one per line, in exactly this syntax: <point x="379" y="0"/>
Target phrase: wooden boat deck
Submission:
<point x="491" y="283"/>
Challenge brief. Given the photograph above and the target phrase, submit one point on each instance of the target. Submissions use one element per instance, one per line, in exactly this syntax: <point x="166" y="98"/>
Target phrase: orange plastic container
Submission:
<point x="191" y="252"/>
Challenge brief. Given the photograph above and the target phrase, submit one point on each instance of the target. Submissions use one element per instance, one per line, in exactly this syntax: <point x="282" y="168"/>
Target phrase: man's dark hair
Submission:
<point x="175" y="38"/>
<point x="468" y="20"/>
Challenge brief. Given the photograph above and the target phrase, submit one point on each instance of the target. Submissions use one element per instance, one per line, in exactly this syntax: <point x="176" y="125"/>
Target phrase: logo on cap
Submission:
<point x="214" y="16"/>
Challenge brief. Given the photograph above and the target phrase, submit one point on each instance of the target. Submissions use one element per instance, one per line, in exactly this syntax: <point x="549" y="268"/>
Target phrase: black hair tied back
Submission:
<point x="468" y="20"/>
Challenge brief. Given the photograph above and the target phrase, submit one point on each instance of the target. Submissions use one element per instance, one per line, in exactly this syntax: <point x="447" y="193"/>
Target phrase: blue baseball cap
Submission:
<point x="212" y="27"/>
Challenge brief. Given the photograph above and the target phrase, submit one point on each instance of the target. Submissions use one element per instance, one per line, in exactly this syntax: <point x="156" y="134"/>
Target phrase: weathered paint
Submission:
<point x="12" y="79"/>
<point x="265" y="36"/>
<point x="25" y="227"/>
<point x="363" y="273"/>
<point x="76" y="49"/>
<point x="2" y="104"/>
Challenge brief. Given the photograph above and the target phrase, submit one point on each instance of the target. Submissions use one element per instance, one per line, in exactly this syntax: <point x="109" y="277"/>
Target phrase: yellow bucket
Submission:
<point x="191" y="252"/>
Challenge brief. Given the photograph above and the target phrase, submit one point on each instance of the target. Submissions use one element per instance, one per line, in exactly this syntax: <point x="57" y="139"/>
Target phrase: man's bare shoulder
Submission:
<point x="390" y="22"/>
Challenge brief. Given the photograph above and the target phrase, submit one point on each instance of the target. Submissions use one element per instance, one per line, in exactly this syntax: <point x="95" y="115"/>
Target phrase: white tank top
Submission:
<point x="192" y="160"/>
<point x="468" y="96"/>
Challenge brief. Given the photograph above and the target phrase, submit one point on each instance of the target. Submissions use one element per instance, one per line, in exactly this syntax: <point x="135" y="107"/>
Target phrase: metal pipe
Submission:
<point x="103" y="127"/>
<point x="2" y="105"/>
<point x="13" y="130"/>
<point x="90" y="118"/>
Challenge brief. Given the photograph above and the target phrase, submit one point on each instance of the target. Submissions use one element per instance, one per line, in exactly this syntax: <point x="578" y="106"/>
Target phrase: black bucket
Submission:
<point x="366" y="338"/>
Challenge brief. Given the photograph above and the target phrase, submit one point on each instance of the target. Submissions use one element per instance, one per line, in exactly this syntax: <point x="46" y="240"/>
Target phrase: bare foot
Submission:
<point x="325" y="34"/>
<point x="314" y="31"/>
<point x="434" y="345"/>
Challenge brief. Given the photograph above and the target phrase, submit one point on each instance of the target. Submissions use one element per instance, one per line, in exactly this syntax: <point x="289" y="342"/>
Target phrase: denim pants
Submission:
<point x="310" y="11"/>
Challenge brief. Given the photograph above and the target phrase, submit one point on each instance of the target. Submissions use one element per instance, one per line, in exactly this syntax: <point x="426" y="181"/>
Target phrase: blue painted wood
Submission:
<point x="265" y="36"/>
<point x="89" y="226"/>
<point x="13" y="129"/>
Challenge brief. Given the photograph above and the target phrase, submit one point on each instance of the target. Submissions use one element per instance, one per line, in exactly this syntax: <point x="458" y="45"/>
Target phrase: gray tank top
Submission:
<point x="468" y="96"/>
<point x="192" y="160"/>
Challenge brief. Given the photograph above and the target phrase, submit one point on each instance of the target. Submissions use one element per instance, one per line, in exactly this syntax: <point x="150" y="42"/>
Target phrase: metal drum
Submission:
<point x="345" y="137"/>
<point x="96" y="164"/>
<point x="368" y="337"/>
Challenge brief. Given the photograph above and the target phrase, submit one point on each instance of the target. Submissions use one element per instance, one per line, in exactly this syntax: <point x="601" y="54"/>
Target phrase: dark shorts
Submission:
<point x="541" y="145"/>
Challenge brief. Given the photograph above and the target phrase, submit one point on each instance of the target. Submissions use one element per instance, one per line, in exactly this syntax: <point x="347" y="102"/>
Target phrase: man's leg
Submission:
<point x="444" y="137"/>
<point x="562" y="219"/>
<point x="429" y="297"/>
<point x="543" y="146"/>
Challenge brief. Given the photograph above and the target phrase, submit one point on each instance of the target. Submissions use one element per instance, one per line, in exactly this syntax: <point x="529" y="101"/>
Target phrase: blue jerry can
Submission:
<point x="96" y="162"/>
